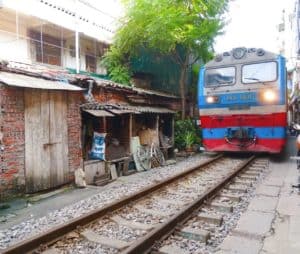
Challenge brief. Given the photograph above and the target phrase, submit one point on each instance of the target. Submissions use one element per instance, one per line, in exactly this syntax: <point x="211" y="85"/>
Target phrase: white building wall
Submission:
<point x="15" y="43"/>
<point x="70" y="14"/>
<point x="13" y="48"/>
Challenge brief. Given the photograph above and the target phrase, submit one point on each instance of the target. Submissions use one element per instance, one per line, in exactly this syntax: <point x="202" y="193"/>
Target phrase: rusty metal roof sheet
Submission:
<point x="126" y="108"/>
<point x="98" y="112"/>
<point x="19" y="80"/>
<point x="155" y="110"/>
<point x="109" y="83"/>
<point x="123" y="111"/>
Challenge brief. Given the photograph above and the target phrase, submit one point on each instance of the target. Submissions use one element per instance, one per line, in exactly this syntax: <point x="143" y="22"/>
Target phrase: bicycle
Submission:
<point x="150" y="156"/>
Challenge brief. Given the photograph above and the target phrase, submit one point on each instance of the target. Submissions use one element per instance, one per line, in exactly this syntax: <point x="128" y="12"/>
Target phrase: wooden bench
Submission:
<point x="121" y="165"/>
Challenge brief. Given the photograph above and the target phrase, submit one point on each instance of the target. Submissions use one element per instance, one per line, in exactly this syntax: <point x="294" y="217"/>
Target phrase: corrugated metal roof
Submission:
<point x="19" y="80"/>
<point x="153" y="92"/>
<point x="123" y="111"/>
<point x="155" y="110"/>
<point x="109" y="83"/>
<point x="98" y="112"/>
<point x="126" y="108"/>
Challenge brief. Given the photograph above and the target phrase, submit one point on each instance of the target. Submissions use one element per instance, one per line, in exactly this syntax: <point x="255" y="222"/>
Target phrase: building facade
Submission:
<point x="50" y="110"/>
<point x="47" y="32"/>
<point x="289" y="46"/>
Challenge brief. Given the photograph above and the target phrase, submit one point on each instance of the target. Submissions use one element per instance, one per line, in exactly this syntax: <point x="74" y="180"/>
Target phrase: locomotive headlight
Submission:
<point x="269" y="96"/>
<point x="212" y="99"/>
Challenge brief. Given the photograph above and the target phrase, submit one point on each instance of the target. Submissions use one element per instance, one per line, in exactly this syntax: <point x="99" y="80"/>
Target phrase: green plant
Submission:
<point x="117" y="66"/>
<point x="189" y="139"/>
<point x="186" y="130"/>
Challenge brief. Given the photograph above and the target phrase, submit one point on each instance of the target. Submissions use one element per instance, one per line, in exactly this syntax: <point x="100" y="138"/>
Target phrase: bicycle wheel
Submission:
<point x="159" y="156"/>
<point x="143" y="157"/>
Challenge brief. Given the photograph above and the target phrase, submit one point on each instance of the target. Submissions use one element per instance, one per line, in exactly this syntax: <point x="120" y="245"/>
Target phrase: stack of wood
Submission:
<point x="101" y="180"/>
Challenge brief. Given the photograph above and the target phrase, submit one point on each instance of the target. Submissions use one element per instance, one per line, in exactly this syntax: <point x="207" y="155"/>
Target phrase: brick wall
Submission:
<point x="74" y="132"/>
<point x="105" y="96"/>
<point x="12" y="139"/>
<point x="12" y="130"/>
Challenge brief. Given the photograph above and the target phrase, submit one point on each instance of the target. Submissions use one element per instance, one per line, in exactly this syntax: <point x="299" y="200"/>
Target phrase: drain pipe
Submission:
<point x="88" y="95"/>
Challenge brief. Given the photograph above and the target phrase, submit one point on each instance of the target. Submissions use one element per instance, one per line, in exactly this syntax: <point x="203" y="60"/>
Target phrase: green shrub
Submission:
<point x="186" y="134"/>
<point x="117" y="66"/>
<point x="189" y="139"/>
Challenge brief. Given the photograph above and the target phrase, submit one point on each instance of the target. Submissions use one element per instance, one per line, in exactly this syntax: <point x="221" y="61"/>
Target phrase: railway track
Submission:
<point x="186" y="206"/>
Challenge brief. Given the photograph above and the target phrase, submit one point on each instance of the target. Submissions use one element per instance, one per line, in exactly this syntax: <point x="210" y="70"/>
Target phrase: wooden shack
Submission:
<point x="47" y="126"/>
<point x="124" y="113"/>
<point x="40" y="133"/>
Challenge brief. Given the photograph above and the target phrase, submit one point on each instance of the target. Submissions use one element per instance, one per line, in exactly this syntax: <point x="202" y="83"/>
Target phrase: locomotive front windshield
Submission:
<point x="220" y="76"/>
<point x="259" y="72"/>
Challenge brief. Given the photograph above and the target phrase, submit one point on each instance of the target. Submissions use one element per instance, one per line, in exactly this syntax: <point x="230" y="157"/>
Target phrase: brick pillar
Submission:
<point x="12" y="143"/>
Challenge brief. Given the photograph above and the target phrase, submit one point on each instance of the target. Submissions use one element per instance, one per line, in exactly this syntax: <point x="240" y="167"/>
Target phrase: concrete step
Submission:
<point x="243" y="182"/>
<point x="132" y="224"/>
<point x="112" y="243"/>
<point x="154" y="212"/>
<point x="211" y="218"/>
<point x="195" y="234"/>
<point x="259" y="163"/>
<point x="51" y="251"/>
<point x="251" y="173"/>
<point x="233" y="197"/>
<point x="222" y="207"/>
<point x="174" y="202"/>
<point x="237" y="187"/>
<point x="248" y="177"/>
<point x="256" y="168"/>
<point x="184" y="195"/>
<point x="171" y="249"/>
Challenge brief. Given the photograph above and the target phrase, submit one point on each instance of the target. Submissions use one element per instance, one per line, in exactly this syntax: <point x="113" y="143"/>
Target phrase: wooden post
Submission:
<point x="104" y="124"/>
<point x="157" y="127"/>
<point x="130" y="131"/>
<point x="173" y="129"/>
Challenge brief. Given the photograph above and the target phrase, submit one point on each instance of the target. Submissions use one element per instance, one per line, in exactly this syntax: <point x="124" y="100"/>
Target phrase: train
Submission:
<point x="242" y="100"/>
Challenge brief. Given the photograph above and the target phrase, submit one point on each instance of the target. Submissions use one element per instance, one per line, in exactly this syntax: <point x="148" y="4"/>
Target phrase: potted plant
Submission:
<point x="189" y="140"/>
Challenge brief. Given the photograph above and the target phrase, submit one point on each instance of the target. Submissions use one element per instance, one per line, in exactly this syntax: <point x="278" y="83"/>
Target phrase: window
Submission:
<point x="259" y="72"/>
<point x="46" y="48"/>
<point x="220" y="76"/>
<point x="90" y="62"/>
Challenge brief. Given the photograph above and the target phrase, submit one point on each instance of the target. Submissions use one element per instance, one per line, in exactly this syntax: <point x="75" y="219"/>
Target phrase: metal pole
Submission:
<point x="77" y="38"/>
<point x="41" y="38"/>
<point x="17" y="24"/>
<point x="62" y="46"/>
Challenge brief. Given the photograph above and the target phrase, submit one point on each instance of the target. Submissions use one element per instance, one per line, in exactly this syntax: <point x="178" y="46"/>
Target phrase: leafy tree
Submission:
<point x="117" y="66"/>
<point x="183" y="29"/>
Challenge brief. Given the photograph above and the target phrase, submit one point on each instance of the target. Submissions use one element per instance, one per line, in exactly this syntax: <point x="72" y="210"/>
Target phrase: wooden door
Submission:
<point x="46" y="139"/>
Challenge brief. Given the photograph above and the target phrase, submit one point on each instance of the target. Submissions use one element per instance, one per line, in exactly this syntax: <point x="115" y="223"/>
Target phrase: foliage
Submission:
<point x="193" y="88"/>
<point x="118" y="68"/>
<point x="186" y="134"/>
<point x="183" y="29"/>
<point x="168" y="25"/>
<point x="189" y="139"/>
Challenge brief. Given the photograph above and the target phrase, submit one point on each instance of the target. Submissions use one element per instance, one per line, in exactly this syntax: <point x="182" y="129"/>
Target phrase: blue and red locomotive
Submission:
<point x="243" y="102"/>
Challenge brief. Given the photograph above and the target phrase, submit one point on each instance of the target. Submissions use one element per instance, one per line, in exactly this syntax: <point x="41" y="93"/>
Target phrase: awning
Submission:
<point x="119" y="109"/>
<point x="98" y="112"/>
<point x="123" y="111"/>
<point x="155" y="110"/>
<point x="19" y="80"/>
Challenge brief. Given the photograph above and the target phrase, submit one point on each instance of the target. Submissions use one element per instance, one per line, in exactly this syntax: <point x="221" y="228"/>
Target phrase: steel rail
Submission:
<point x="145" y="244"/>
<point x="57" y="232"/>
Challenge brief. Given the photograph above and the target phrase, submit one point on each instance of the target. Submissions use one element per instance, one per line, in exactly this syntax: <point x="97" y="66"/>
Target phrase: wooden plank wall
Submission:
<point x="46" y="139"/>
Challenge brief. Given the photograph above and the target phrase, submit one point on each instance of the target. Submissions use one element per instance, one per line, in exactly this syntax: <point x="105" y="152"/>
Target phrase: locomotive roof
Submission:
<point x="241" y="55"/>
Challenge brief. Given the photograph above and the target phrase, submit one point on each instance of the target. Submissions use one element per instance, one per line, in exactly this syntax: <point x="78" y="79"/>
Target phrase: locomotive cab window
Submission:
<point x="220" y="76"/>
<point x="259" y="72"/>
